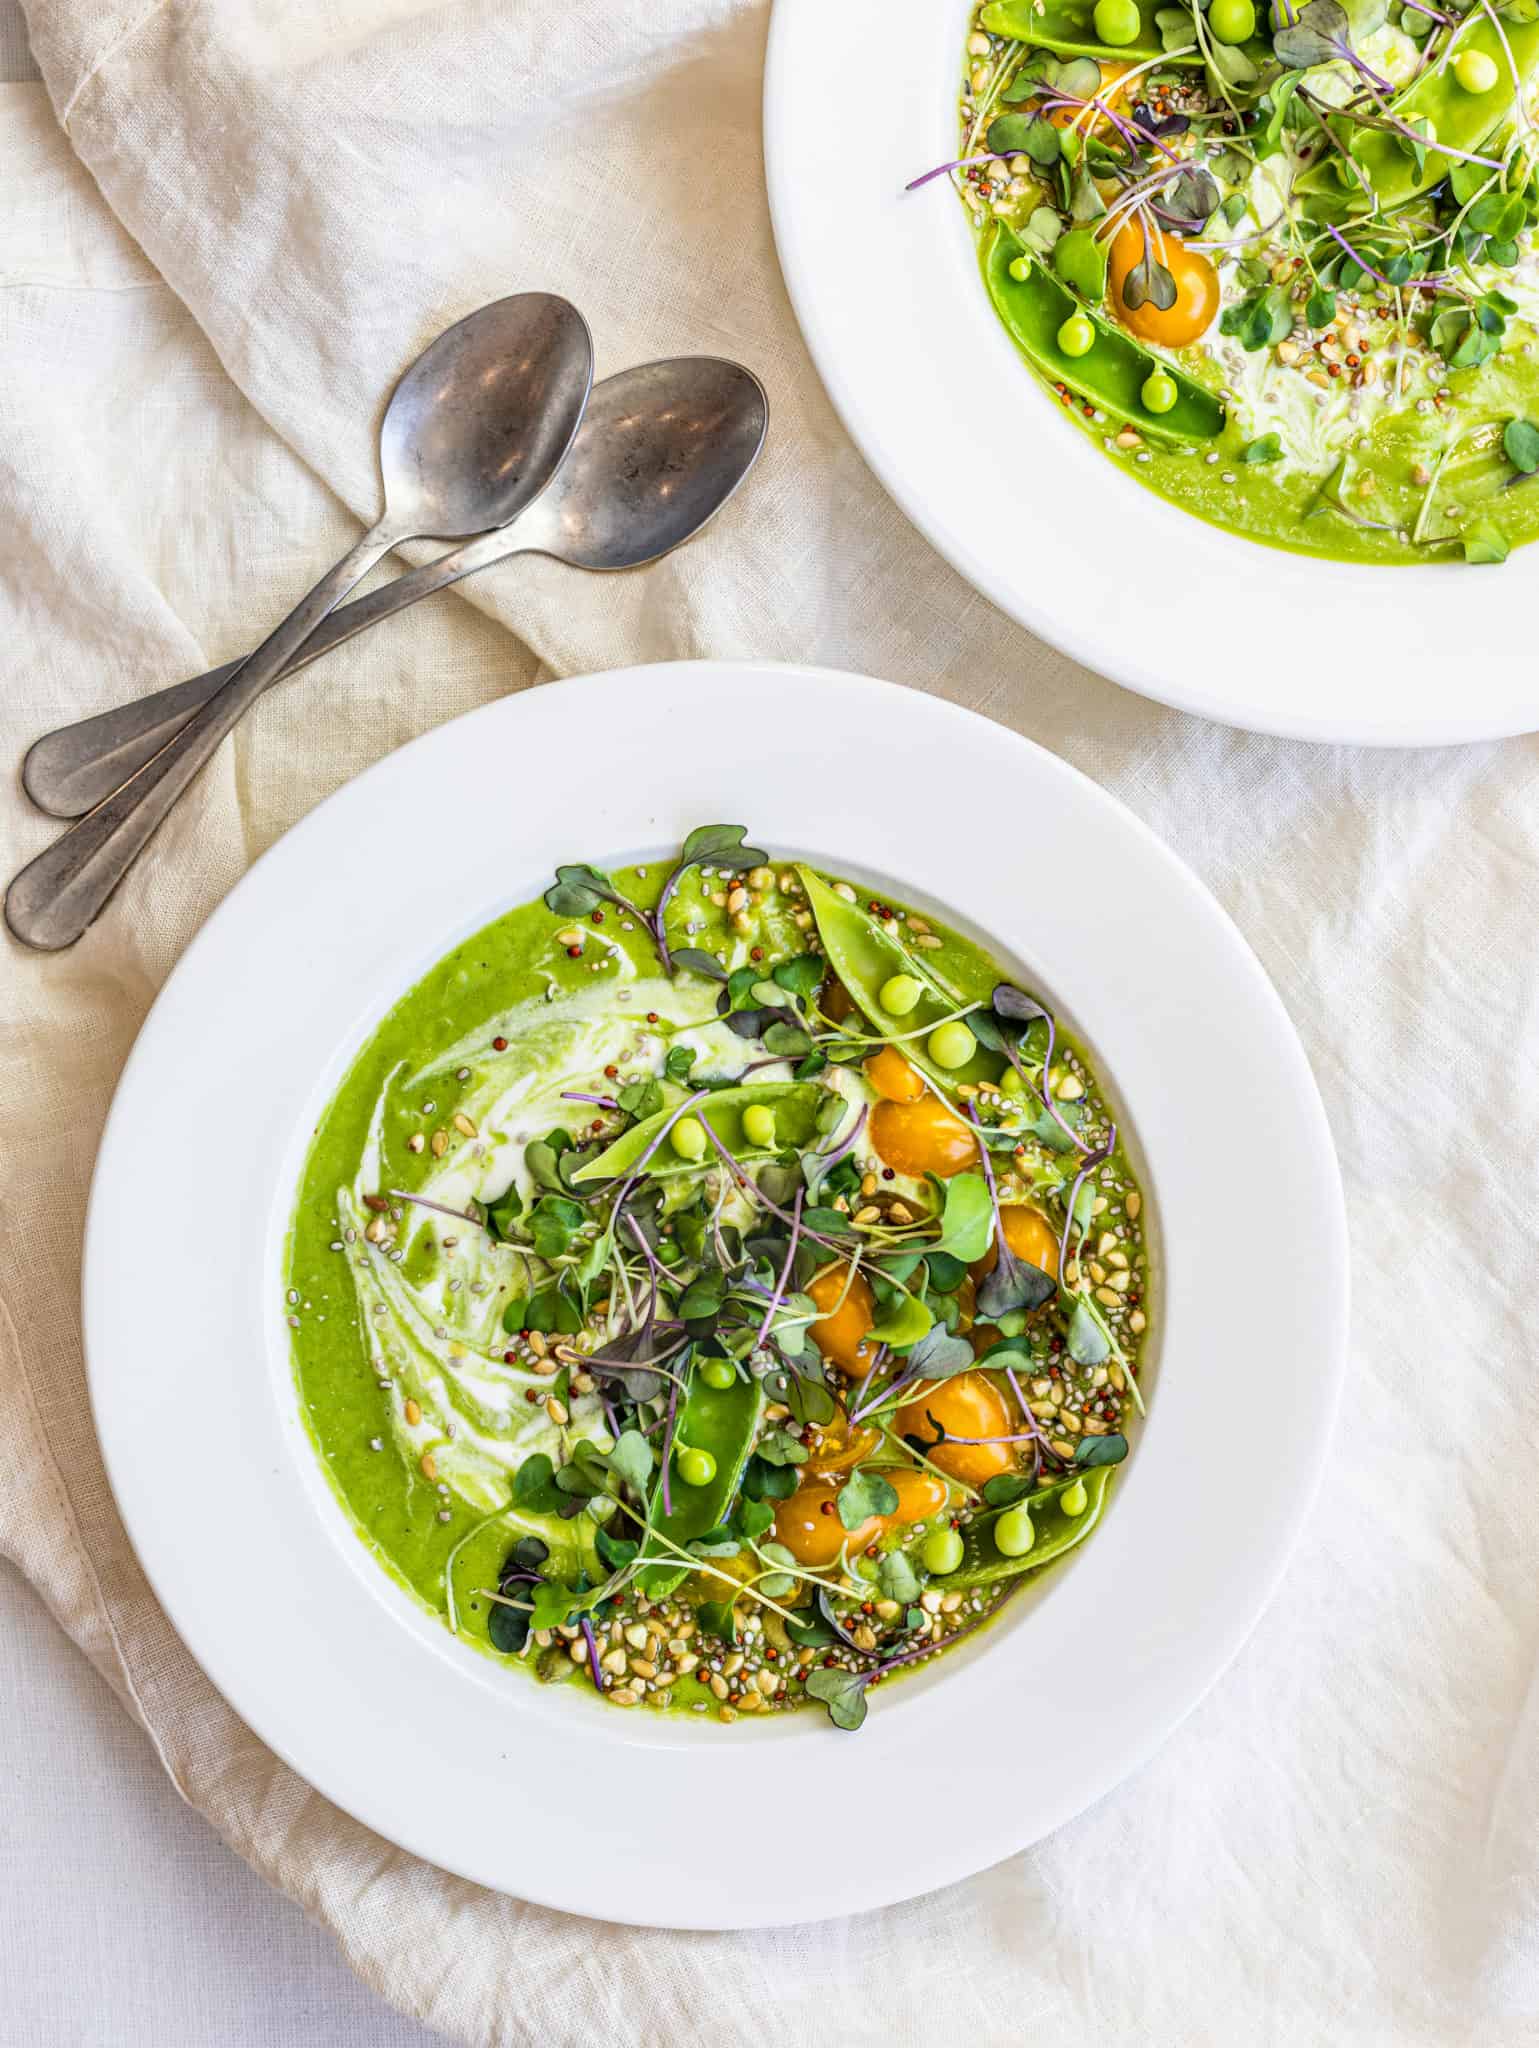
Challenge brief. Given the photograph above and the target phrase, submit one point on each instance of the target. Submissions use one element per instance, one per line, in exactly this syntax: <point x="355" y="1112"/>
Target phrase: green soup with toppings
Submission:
<point x="1280" y="262"/>
<point x="719" y="1288"/>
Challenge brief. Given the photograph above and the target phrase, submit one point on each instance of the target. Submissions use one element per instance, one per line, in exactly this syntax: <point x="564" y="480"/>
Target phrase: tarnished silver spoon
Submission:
<point x="473" y="432"/>
<point x="661" y="448"/>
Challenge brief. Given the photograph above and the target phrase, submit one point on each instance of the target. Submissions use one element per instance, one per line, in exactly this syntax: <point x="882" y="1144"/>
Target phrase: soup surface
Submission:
<point x="1280" y="262"/>
<point x="718" y="1287"/>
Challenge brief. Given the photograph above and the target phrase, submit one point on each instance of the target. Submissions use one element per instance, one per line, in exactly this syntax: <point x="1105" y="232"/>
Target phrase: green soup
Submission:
<point x="1230" y="246"/>
<point x="724" y="1308"/>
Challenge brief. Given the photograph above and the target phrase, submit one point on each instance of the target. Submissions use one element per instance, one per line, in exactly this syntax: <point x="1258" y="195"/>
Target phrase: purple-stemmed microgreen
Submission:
<point x="1132" y="132"/>
<point x="1421" y="283"/>
<point x="1097" y="1158"/>
<point x="1016" y="1007"/>
<point x="1318" y="35"/>
<point x="750" y="1187"/>
<point x="438" y="1208"/>
<point x="961" y="163"/>
<point x="663" y="1130"/>
<point x="778" y="1298"/>
<point x="667" y="1450"/>
<point x="844" y="1692"/>
<point x="904" y="1377"/>
<point x="593" y="1655"/>
<point x="579" y="889"/>
<point x="825" y="1162"/>
<point x="1038" y="1436"/>
<point x="721" y="844"/>
<point x="1014" y="1282"/>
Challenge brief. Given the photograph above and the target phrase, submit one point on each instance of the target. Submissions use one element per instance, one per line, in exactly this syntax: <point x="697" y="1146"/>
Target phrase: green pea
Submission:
<point x="1159" y="392"/>
<point x="1117" y="22"/>
<point x="1074" y="1500"/>
<point x="1076" y="337"/>
<point x="669" y="1252"/>
<point x="1010" y="1083"/>
<point x="759" y="1124"/>
<point x="1014" y="1533"/>
<point x="951" y="1045"/>
<point x="942" y="1552"/>
<point x="899" y="994"/>
<point x="696" y="1468"/>
<point x="1475" y="71"/>
<point x="688" y="1138"/>
<point x="1232" y="21"/>
<point x="718" y="1373"/>
<point x="1020" y="269"/>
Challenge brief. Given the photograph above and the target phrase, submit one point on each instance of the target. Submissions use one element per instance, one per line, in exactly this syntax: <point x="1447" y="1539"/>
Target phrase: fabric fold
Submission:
<point x="252" y="218"/>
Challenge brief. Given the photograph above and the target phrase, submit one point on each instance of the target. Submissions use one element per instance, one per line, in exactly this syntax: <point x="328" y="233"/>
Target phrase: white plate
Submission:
<point x="859" y="98"/>
<point x="554" y="1796"/>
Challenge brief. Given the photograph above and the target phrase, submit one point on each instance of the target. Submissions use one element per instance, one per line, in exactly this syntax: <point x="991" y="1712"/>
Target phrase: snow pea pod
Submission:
<point x="1070" y="30"/>
<point x="1464" y="120"/>
<point x="725" y="1422"/>
<point x="866" y="956"/>
<point x="795" y="1104"/>
<point x="1113" y="373"/>
<point x="1055" y="1532"/>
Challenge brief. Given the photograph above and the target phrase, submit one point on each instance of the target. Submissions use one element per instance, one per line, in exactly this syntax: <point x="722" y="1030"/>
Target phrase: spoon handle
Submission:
<point x="55" y="897"/>
<point x="71" y="770"/>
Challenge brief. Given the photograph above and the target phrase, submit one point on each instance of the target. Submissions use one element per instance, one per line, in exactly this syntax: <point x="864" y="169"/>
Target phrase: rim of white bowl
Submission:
<point x="350" y="1680"/>
<point x="885" y="287"/>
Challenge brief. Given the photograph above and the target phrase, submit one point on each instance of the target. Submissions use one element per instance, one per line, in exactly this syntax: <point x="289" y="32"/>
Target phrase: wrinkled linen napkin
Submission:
<point x="227" y="226"/>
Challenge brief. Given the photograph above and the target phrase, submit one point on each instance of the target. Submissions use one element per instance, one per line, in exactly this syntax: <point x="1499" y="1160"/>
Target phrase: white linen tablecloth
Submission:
<point x="238" y="221"/>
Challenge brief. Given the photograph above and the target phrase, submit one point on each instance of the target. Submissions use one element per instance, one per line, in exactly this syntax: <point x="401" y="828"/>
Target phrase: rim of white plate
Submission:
<point x="350" y="1680"/>
<point x="885" y="286"/>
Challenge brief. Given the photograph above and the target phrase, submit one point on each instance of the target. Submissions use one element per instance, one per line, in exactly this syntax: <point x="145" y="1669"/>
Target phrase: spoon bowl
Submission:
<point x="661" y="449"/>
<point x="479" y="423"/>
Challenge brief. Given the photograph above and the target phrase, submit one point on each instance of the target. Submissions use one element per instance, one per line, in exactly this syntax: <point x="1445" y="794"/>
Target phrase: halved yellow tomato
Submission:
<point x="836" y="1447"/>
<point x="922" y="1137"/>
<point x="1029" y="1235"/>
<point x="808" y="1525"/>
<point x="892" y="1077"/>
<point x="841" y="1332"/>
<point x="970" y="1405"/>
<point x="1196" y="283"/>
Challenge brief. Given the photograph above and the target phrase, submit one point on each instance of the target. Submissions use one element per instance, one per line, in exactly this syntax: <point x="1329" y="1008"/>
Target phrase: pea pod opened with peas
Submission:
<point x="720" y="1288"/>
<point x="1277" y="263"/>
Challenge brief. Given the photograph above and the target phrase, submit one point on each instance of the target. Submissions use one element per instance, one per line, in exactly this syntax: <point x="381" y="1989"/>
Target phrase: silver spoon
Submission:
<point x="661" y="448"/>
<point x="473" y="432"/>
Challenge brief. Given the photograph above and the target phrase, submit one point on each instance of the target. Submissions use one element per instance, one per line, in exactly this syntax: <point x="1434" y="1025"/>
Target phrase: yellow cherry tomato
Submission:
<point x="841" y="1332"/>
<point x="808" y="1525"/>
<point x="920" y="1494"/>
<point x="970" y="1405"/>
<point x="922" y="1137"/>
<point x="1196" y="283"/>
<point x="835" y="1447"/>
<point x="1029" y="1235"/>
<point x="892" y="1077"/>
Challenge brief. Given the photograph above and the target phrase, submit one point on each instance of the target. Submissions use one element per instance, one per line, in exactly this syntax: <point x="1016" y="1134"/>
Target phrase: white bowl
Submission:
<point x="554" y="1796"/>
<point x="859" y="98"/>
